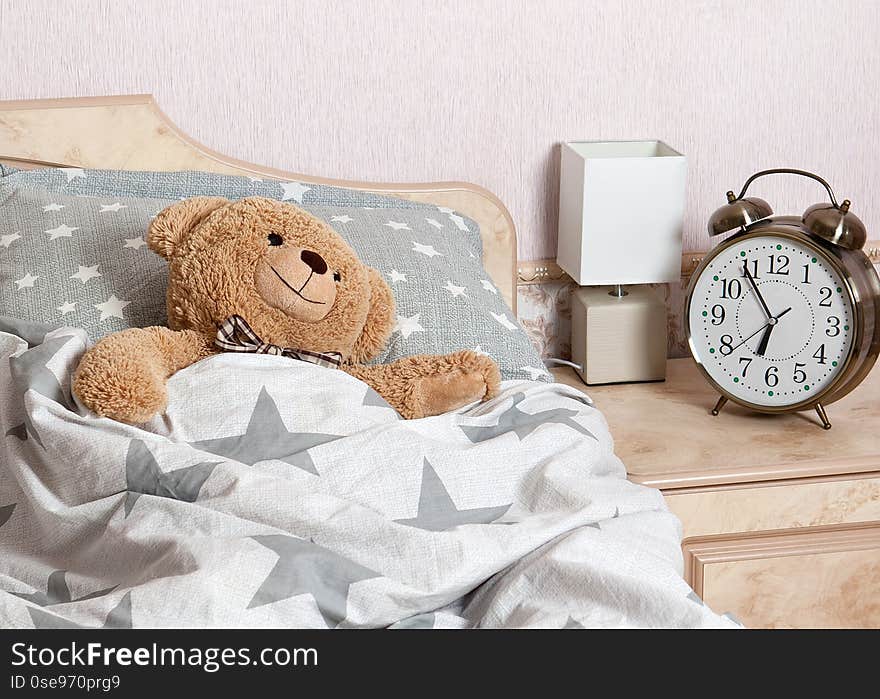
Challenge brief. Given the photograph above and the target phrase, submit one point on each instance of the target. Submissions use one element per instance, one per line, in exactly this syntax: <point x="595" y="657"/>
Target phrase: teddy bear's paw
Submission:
<point x="441" y="393"/>
<point x="472" y="362"/>
<point x="466" y="377"/>
<point x="128" y="392"/>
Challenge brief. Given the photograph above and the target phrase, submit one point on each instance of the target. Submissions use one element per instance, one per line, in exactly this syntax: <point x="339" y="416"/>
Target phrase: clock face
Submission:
<point x="771" y="321"/>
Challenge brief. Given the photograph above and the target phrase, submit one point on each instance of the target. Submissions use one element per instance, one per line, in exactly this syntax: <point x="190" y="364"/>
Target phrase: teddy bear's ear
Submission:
<point x="173" y="224"/>
<point x="380" y="319"/>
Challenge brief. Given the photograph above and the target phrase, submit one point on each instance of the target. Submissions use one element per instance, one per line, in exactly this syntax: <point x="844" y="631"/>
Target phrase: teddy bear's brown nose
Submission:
<point x="314" y="260"/>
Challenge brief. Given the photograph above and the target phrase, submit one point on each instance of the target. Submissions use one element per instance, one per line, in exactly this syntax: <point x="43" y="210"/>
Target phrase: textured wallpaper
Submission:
<point x="484" y="90"/>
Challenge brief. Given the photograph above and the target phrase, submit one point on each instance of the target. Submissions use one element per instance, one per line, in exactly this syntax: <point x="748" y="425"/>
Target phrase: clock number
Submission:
<point x="726" y="344"/>
<point x="825" y="296"/>
<point x="834" y="325"/>
<point x="778" y="264"/>
<point x="748" y="361"/>
<point x="800" y="376"/>
<point x="806" y="274"/>
<point x="717" y="314"/>
<point x="820" y="354"/>
<point x="754" y="264"/>
<point x="730" y="288"/>
<point x="771" y="377"/>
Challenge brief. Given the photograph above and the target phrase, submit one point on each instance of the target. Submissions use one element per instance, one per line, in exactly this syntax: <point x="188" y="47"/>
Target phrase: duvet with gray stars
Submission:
<point x="277" y="493"/>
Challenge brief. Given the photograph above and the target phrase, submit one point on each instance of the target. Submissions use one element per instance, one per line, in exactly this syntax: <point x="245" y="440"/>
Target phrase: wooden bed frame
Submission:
<point x="131" y="132"/>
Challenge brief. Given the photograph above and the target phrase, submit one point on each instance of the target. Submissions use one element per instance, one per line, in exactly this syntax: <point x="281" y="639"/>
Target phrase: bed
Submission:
<point x="290" y="499"/>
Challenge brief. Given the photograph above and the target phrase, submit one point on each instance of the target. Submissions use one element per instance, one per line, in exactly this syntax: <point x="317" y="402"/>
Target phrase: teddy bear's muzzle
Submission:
<point x="296" y="281"/>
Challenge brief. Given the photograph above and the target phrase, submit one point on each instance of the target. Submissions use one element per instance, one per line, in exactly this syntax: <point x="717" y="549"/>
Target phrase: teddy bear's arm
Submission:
<point x="123" y="375"/>
<point x="424" y="385"/>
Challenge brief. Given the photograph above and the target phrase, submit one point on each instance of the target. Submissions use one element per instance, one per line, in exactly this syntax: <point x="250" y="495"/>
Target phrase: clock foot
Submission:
<point x="720" y="404"/>
<point x="820" y="411"/>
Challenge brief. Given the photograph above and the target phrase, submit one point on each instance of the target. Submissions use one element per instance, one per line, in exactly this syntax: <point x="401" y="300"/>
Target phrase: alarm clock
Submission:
<point x="784" y="315"/>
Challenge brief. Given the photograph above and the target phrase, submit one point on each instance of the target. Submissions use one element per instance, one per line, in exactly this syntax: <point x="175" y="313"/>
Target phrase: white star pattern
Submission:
<point x="86" y="273"/>
<point x="425" y="249"/>
<point x="459" y="221"/>
<point x="7" y="240"/>
<point x="62" y="231"/>
<point x="255" y="179"/>
<point x="341" y="219"/>
<point x="407" y="326"/>
<point x="487" y="285"/>
<point x="293" y="190"/>
<point x="533" y="372"/>
<point x="111" y="207"/>
<point x="479" y="350"/>
<point x="73" y="172"/>
<point x="434" y="222"/>
<point x="68" y="307"/>
<point x="53" y="207"/>
<point x="135" y="243"/>
<point x="396" y="276"/>
<point x="456" y="291"/>
<point x="398" y="226"/>
<point x="504" y="320"/>
<point x="445" y="210"/>
<point x="112" y="308"/>
<point x="26" y="281"/>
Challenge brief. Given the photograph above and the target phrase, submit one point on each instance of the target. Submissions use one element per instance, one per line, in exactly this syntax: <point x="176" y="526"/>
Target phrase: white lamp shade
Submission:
<point x="621" y="208"/>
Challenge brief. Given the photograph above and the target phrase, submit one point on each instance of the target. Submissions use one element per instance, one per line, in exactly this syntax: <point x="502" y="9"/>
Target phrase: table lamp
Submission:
<point x="621" y="206"/>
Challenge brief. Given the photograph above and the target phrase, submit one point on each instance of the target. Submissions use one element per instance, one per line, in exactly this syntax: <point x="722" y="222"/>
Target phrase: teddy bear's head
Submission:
<point x="294" y="280"/>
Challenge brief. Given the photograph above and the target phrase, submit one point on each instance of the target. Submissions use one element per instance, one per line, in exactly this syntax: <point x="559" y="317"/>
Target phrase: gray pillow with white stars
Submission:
<point x="80" y="259"/>
<point x="188" y="183"/>
<point x="77" y="261"/>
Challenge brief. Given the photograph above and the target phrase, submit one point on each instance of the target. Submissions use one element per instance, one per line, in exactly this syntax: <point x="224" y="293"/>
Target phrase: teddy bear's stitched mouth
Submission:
<point x="283" y="281"/>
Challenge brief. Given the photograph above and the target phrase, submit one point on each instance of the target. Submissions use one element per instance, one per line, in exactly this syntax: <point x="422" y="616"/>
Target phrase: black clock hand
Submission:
<point x="733" y="349"/>
<point x="751" y="279"/>
<point x="762" y="345"/>
<point x="769" y="324"/>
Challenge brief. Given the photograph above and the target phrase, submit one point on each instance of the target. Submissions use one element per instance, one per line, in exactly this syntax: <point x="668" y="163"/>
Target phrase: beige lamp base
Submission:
<point x="618" y="339"/>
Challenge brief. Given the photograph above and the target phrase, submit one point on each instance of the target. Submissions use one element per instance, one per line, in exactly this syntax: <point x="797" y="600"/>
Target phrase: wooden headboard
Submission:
<point x="131" y="132"/>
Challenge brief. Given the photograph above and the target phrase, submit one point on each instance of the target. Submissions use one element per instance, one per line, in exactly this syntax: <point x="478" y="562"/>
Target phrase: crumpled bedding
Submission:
<point x="276" y="493"/>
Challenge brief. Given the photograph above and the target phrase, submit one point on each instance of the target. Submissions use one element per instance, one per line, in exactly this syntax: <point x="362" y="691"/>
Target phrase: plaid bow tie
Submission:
<point x="235" y="335"/>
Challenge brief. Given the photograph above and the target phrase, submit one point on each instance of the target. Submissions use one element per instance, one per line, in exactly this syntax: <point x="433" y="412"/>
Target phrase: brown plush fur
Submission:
<point x="297" y="283"/>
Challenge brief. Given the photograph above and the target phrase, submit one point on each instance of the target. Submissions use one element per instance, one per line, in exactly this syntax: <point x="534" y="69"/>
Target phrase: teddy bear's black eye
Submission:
<point x="275" y="239"/>
<point x="337" y="277"/>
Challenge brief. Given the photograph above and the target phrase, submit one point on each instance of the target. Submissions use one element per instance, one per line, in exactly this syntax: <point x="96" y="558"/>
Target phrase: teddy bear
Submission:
<point x="259" y="275"/>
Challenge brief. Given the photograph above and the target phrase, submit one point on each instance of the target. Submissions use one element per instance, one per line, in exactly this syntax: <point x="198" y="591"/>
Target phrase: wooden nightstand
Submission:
<point x="781" y="518"/>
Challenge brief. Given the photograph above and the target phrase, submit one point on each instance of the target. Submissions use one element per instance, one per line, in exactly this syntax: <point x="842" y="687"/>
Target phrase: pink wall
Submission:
<point x="482" y="90"/>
